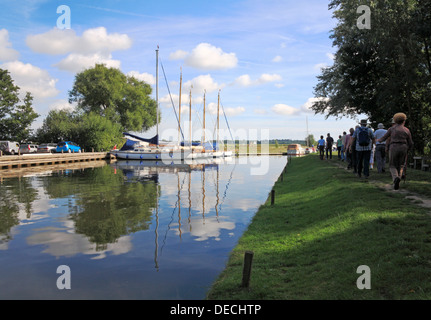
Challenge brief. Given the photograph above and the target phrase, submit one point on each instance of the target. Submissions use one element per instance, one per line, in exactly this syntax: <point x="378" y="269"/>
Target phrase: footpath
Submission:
<point x="329" y="235"/>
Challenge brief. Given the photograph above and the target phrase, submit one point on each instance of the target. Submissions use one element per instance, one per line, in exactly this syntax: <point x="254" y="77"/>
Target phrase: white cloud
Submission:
<point x="178" y="55"/>
<point x="32" y="79"/>
<point x="202" y="83"/>
<point x="283" y="109"/>
<point x="207" y="57"/>
<point x="320" y="66"/>
<point x="61" y="105"/>
<point x="246" y="81"/>
<point x="64" y="41"/>
<point x="93" y="46"/>
<point x="6" y="51"/>
<point x="54" y="42"/>
<point x="146" y="77"/>
<point x="76" y="62"/>
<point x="277" y="59"/>
<point x="230" y="112"/>
<point x="306" y="107"/>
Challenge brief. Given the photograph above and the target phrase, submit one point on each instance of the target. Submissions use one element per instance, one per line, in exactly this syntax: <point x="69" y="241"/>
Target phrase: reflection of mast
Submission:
<point x="156" y="253"/>
<point x="179" y="205"/>
<point x="217" y="193"/>
<point x="203" y="193"/>
<point x="179" y="110"/>
<point x="190" y="202"/>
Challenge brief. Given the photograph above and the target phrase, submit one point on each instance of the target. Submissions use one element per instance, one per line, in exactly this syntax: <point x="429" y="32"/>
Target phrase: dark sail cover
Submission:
<point x="153" y="140"/>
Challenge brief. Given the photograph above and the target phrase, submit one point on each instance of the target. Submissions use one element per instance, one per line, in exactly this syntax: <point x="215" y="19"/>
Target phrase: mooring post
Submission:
<point x="246" y="272"/>
<point x="272" y="197"/>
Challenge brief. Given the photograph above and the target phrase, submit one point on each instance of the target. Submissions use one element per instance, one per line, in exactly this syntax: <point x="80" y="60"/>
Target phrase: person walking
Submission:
<point x="380" y="151"/>
<point x="343" y="146"/>
<point x="329" y="143"/>
<point x="363" y="138"/>
<point x="339" y="147"/>
<point x="348" y="154"/>
<point x="321" y="147"/>
<point x="401" y="144"/>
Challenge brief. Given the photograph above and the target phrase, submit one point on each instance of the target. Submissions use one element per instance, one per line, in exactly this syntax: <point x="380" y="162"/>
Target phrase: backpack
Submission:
<point x="363" y="137"/>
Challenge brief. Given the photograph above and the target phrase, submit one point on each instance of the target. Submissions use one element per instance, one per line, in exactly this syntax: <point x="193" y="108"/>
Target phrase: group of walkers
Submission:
<point x="361" y="145"/>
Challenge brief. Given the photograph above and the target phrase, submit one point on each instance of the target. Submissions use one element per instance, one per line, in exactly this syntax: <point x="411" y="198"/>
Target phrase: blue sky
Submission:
<point x="262" y="55"/>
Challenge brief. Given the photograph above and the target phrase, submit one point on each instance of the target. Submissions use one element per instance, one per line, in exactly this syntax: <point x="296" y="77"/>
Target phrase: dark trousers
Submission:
<point x="321" y="152"/>
<point x="329" y="150"/>
<point x="380" y="157"/>
<point x="354" y="160"/>
<point x="364" y="162"/>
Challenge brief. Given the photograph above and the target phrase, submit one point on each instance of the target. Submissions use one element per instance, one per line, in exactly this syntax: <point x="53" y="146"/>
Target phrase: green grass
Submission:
<point x="324" y="224"/>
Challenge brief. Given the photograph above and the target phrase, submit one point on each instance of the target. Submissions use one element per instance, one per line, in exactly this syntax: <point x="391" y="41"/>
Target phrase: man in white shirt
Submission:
<point x="380" y="148"/>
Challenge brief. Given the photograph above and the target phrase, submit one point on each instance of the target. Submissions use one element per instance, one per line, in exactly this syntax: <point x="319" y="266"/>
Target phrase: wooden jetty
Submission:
<point x="42" y="159"/>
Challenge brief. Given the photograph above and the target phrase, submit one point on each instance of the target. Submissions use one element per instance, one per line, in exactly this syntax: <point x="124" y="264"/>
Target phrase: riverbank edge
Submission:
<point x="278" y="233"/>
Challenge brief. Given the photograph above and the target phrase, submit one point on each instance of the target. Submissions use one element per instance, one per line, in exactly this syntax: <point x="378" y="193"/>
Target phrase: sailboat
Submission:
<point x="138" y="148"/>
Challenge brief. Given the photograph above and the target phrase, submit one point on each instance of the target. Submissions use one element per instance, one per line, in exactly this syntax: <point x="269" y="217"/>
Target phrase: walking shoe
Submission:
<point x="397" y="183"/>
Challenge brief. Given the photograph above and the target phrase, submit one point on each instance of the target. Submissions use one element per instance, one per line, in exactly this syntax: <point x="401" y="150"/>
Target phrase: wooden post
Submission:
<point x="246" y="272"/>
<point x="272" y="197"/>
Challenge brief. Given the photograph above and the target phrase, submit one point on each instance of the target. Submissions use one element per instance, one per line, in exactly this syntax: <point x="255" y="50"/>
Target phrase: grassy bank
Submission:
<point x="325" y="223"/>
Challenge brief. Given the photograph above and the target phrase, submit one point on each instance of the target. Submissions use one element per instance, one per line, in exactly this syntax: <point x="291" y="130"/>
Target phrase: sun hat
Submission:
<point x="380" y="126"/>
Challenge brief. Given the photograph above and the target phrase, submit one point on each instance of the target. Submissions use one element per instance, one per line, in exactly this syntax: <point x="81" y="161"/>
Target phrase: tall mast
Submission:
<point x="179" y="108"/>
<point x="218" y="118"/>
<point x="157" y="88"/>
<point x="203" y="139"/>
<point x="190" y="118"/>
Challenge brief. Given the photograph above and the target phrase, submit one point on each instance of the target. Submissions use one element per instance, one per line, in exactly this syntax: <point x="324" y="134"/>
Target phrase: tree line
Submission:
<point x="381" y="70"/>
<point x="107" y="101"/>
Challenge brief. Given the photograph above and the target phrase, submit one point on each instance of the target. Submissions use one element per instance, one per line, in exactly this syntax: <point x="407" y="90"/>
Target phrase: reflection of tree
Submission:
<point x="12" y="193"/>
<point x="105" y="207"/>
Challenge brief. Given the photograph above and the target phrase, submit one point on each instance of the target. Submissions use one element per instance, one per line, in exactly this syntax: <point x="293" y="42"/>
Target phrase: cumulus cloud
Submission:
<point x="61" y="105"/>
<point x="32" y="79"/>
<point x="93" y="46"/>
<point x="285" y="110"/>
<point x="202" y="83"/>
<point x="206" y="57"/>
<point x="76" y="62"/>
<point x="246" y="81"/>
<point x="64" y="41"/>
<point x="306" y="107"/>
<point x="7" y="53"/>
<point x="146" y="77"/>
<point x="178" y="55"/>
<point x="229" y="111"/>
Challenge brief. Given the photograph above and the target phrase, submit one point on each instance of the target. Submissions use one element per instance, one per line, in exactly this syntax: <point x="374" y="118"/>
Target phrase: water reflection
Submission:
<point x="155" y="231"/>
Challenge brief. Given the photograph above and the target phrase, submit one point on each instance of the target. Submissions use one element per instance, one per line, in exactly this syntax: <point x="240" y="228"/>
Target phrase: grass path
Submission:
<point x="325" y="223"/>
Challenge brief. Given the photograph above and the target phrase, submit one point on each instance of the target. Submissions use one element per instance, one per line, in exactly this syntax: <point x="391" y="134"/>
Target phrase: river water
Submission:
<point x="126" y="230"/>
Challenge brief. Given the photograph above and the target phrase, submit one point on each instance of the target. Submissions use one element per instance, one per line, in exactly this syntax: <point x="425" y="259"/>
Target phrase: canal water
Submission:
<point x="127" y="230"/>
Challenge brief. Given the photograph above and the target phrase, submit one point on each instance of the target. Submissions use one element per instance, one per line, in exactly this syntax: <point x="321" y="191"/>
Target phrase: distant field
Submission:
<point x="259" y="149"/>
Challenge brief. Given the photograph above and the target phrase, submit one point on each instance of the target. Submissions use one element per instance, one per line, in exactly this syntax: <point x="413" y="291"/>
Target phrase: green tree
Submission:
<point x="99" y="132"/>
<point x="382" y="70"/>
<point x="15" y="118"/>
<point x="59" y="125"/>
<point x="118" y="97"/>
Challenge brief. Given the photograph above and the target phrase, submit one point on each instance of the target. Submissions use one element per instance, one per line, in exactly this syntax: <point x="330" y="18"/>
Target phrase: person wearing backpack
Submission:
<point x="363" y="138"/>
<point x="329" y="143"/>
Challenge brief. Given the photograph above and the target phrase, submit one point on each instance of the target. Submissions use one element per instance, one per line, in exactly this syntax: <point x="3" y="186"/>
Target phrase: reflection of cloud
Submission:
<point x="61" y="243"/>
<point x="205" y="228"/>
